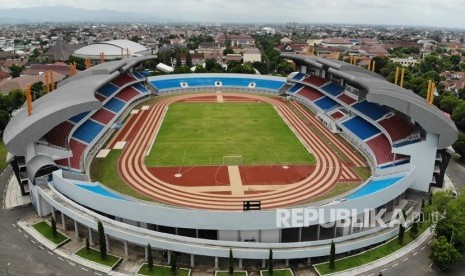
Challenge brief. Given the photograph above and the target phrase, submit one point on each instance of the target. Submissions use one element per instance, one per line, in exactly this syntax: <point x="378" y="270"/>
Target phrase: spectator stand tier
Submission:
<point x="333" y="89"/>
<point x="361" y="128"/>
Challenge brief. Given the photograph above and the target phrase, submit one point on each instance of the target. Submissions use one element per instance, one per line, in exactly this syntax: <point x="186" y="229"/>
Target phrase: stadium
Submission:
<point x="201" y="163"/>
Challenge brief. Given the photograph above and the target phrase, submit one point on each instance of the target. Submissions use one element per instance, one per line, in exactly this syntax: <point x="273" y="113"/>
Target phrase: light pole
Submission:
<point x="7" y="267"/>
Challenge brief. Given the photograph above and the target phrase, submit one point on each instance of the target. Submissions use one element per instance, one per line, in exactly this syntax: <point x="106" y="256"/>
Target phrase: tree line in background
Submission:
<point x="429" y="68"/>
<point x="272" y="63"/>
<point x="8" y="103"/>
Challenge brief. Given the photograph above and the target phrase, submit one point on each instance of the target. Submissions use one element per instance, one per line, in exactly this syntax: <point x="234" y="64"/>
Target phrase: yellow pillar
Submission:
<point x="369" y="65"/>
<point x="397" y="76"/>
<point x="402" y="77"/>
<point x="122" y="53"/>
<point x="47" y="81"/>
<point x="431" y="98"/>
<point x="373" y="66"/>
<point x="428" y="94"/>
<point x="29" y="99"/>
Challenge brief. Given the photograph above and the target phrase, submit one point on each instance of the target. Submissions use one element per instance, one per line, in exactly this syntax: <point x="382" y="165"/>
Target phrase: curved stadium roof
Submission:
<point x="112" y="49"/>
<point x="72" y="97"/>
<point x="382" y="92"/>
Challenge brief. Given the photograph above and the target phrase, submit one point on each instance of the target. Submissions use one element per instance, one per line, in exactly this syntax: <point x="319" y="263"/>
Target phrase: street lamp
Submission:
<point x="7" y="266"/>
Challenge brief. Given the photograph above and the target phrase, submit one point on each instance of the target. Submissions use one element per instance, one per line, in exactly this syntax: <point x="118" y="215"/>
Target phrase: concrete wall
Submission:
<point x="215" y="220"/>
<point x="247" y="250"/>
<point x="422" y="156"/>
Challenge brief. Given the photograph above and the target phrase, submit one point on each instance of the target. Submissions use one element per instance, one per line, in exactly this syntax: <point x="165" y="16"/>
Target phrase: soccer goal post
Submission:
<point x="232" y="160"/>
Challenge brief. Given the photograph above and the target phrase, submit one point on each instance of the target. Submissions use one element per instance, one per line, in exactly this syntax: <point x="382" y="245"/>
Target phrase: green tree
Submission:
<point x="458" y="116"/>
<point x="262" y="67"/>
<point x="178" y="60"/>
<point x="54" y="227"/>
<point x="443" y="254"/>
<point x="102" y="241"/>
<point x="231" y="262"/>
<point x="182" y="70"/>
<point x="37" y="89"/>
<point x="173" y="262"/>
<point x="332" y="256"/>
<point x="4" y="119"/>
<point x="459" y="146"/>
<point x="461" y="93"/>
<point x="239" y="68"/>
<point x="212" y="66"/>
<point x="449" y="103"/>
<point x="414" y="228"/>
<point x="87" y="244"/>
<point x="270" y="262"/>
<point x="200" y="69"/>
<point x="400" y="236"/>
<point x="80" y="62"/>
<point x="15" y="70"/>
<point x="14" y="100"/>
<point x="149" y="258"/>
<point x="188" y="59"/>
<point x="228" y="50"/>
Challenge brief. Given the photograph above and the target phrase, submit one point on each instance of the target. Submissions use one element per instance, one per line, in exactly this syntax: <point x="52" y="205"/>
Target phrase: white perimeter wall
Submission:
<point x="422" y="157"/>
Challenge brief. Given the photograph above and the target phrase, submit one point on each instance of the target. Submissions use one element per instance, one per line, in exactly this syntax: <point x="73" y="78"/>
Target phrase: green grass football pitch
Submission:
<point x="204" y="133"/>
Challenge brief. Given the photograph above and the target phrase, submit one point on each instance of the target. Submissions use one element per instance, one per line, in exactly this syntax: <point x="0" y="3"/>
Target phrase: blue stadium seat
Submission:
<point x="114" y="105"/>
<point x="372" y="110"/>
<point x="374" y="186"/>
<point x="235" y="82"/>
<point x="361" y="128"/>
<point x="200" y="82"/>
<point x="79" y="117"/>
<point x="298" y="76"/>
<point x="138" y="75"/>
<point x="88" y="131"/>
<point x="167" y="84"/>
<point x="108" y="89"/>
<point x="140" y="88"/>
<point x="326" y="103"/>
<point x="268" y="84"/>
<point x="225" y="82"/>
<point x="333" y="89"/>
<point x="295" y="88"/>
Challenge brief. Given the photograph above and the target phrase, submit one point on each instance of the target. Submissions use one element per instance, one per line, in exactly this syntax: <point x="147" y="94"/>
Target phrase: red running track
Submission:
<point x="328" y="169"/>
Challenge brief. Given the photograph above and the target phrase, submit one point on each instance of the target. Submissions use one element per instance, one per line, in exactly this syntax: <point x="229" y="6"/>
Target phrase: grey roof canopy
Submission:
<point x="38" y="163"/>
<point x="72" y="97"/>
<point x="382" y="92"/>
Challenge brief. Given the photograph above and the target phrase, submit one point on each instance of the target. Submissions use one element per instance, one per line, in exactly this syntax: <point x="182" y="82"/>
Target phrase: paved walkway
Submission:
<point x="26" y="225"/>
<point x="235" y="181"/>
<point x="13" y="197"/>
<point x="388" y="259"/>
<point x="219" y="97"/>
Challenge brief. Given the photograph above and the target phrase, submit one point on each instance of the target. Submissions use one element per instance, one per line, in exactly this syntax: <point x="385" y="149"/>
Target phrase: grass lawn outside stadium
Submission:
<point x="203" y="133"/>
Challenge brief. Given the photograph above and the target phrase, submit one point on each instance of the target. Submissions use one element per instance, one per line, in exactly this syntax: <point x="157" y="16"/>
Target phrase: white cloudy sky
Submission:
<point x="412" y="12"/>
